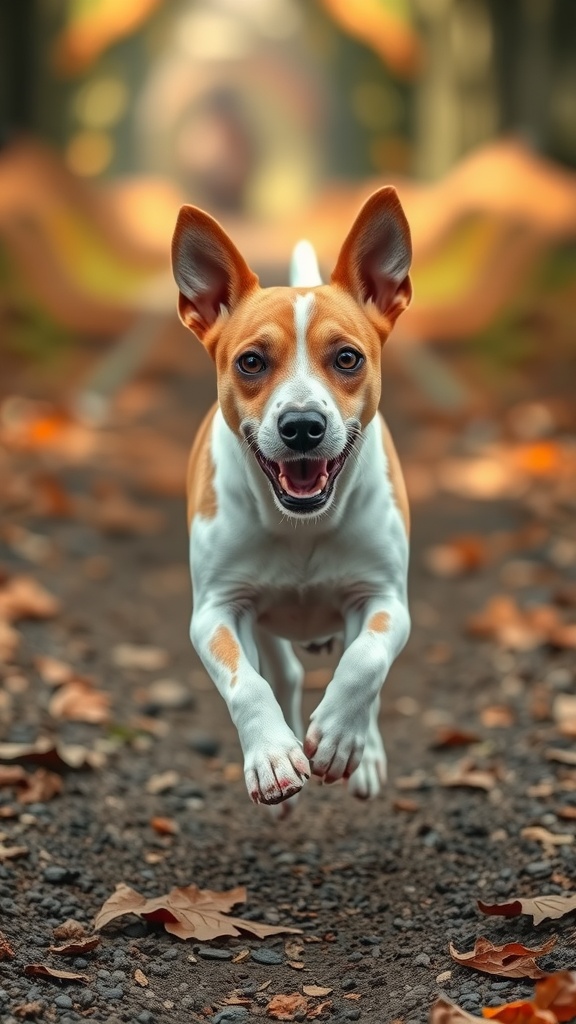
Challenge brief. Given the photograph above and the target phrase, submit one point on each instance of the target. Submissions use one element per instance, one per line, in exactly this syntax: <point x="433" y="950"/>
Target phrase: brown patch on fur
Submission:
<point x="396" y="477"/>
<point x="226" y="650"/>
<point x="379" y="622"/>
<point x="336" y="321"/>
<point x="202" y="499"/>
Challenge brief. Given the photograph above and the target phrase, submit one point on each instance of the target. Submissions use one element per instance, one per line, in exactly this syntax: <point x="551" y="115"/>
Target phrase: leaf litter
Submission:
<point x="553" y="1002"/>
<point x="188" y="913"/>
<point x="511" y="960"/>
<point x="541" y="908"/>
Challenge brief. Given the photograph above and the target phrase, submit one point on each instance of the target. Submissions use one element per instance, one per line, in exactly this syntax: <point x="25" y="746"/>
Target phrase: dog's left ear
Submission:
<point x="375" y="259"/>
<point x="210" y="272"/>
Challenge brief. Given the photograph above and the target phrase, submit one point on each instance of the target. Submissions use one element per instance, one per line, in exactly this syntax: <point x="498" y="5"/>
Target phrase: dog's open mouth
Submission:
<point x="304" y="484"/>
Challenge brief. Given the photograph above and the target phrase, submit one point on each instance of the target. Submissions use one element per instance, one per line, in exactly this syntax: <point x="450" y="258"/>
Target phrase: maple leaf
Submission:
<point x="512" y="960"/>
<point x="188" y="912"/>
<point x="443" y="1011"/>
<point x="540" y="907"/>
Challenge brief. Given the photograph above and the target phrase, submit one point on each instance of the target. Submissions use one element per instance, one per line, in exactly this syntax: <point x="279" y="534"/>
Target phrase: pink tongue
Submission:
<point x="303" y="476"/>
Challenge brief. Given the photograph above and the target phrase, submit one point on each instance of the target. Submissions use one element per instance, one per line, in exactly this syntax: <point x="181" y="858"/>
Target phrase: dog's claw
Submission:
<point x="276" y="774"/>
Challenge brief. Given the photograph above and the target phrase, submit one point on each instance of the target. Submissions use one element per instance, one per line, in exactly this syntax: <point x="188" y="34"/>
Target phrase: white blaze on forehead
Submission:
<point x="303" y="305"/>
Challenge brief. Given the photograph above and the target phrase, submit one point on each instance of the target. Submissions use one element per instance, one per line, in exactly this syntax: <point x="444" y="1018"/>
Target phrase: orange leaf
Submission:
<point x="51" y="972"/>
<point x="512" y="960"/>
<point x="519" y="1012"/>
<point x="284" y="1007"/>
<point x="444" y="1011"/>
<point x="78" y="701"/>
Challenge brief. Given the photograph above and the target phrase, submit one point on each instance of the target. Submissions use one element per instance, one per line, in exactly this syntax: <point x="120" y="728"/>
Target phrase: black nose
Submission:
<point x="302" y="431"/>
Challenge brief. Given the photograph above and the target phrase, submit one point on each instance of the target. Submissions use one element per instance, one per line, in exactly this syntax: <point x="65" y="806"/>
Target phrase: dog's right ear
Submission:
<point x="210" y="272"/>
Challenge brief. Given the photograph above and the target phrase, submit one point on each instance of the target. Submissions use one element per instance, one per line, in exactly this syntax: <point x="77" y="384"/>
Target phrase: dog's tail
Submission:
<point x="304" y="272"/>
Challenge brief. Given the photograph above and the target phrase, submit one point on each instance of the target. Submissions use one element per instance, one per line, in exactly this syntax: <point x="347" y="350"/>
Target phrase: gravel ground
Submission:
<point x="379" y="890"/>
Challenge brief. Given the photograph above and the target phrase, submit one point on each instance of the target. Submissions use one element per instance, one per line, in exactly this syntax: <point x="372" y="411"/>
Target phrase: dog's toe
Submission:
<point x="273" y="776"/>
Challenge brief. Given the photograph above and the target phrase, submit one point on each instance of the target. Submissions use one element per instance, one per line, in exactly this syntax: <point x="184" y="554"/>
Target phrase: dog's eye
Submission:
<point x="251" y="363"/>
<point x="348" y="359"/>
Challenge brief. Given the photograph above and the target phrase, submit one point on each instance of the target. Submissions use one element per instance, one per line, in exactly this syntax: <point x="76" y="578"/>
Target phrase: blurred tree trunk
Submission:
<point x="18" y="65"/>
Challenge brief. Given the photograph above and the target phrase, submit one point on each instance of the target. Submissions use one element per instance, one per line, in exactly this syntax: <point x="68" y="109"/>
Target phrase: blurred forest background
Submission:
<point x="280" y="116"/>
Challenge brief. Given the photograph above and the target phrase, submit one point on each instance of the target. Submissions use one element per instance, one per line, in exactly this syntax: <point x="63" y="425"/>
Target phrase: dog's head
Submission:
<point x="299" y="369"/>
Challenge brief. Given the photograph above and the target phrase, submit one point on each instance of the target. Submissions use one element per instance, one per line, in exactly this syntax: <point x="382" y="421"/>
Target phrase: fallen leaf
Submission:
<point x="41" y="785"/>
<point x="418" y="780"/>
<point x="566" y="813"/>
<point x="134" y="656"/>
<point x="70" y="929"/>
<point x="561" y="756"/>
<point x="164" y="826"/>
<point x="22" y="597"/>
<point x="352" y="995"/>
<point x="140" y="978"/>
<point x="162" y="782"/>
<point x="42" y="970"/>
<point x="564" y="714"/>
<point x="497" y="716"/>
<point x="316" y="990"/>
<point x="54" y="755"/>
<point x="293" y="948"/>
<point x="53" y="671"/>
<point x="6" y="950"/>
<point x="12" y="775"/>
<point x="296" y="965"/>
<point x="77" y="947"/>
<point x="541" y="908"/>
<point x="241" y="956"/>
<point x="452" y="736"/>
<point x="443" y="1011"/>
<point x="79" y="701"/>
<point x="521" y="629"/>
<point x="512" y="960"/>
<point x="467" y="775"/>
<point x="457" y="557"/>
<point x="542" y="835"/>
<point x="406" y="805"/>
<point x="12" y="852"/>
<point x="187" y="912"/>
<point x="521" y="1011"/>
<point x="284" y="1007"/>
<point x="29" y="1011"/>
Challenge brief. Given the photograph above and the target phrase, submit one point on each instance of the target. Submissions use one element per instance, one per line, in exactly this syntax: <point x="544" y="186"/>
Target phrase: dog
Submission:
<point x="298" y="514"/>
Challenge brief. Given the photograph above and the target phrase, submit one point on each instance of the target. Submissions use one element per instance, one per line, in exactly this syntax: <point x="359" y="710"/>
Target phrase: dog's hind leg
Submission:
<point x="284" y="672"/>
<point x="370" y="774"/>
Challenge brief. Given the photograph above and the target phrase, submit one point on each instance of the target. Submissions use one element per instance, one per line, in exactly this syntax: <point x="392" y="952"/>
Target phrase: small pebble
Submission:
<point x="229" y="1014"/>
<point x="267" y="956"/>
<point x="348" y="984"/>
<point x="207" y="746"/>
<point x="539" y="868"/>
<point x="422" y="960"/>
<point x="213" y="953"/>
<point x="64" y="1002"/>
<point x="112" y="993"/>
<point x="351" y="1013"/>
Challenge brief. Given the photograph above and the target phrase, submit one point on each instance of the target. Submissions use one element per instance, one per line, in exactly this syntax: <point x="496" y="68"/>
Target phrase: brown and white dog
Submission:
<point x="297" y="508"/>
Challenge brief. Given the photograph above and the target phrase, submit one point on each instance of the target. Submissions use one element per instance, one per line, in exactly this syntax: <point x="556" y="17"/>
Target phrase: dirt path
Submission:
<point x="379" y="890"/>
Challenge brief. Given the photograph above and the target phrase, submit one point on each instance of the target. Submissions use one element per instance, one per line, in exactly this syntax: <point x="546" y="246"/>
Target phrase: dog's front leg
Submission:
<point x="275" y="767"/>
<point x="338" y="727"/>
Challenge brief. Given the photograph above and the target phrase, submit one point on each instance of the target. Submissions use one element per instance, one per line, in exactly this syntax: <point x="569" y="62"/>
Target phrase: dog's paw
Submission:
<point x="370" y="775"/>
<point x="276" y="772"/>
<point x="334" y="745"/>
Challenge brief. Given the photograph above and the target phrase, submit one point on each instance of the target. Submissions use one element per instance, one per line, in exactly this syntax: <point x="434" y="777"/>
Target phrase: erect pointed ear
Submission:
<point x="210" y="272"/>
<point x="375" y="259"/>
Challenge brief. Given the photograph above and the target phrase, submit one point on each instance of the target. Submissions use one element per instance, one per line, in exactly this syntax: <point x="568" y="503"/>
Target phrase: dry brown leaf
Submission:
<point x="134" y="656"/>
<point x="50" y="754"/>
<point x="79" y="701"/>
<point x="512" y="960"/>
<point x="406" y="805"/>
<point x="53" y="671"/>
<point x="542" y="835"/>
<point x="457" y="557"/>
<point x="6" y="950"/>
<point x="22" y="597"/>
<point x="13" y="775"/>
<point x="566" y="813"/>
<point x="352" y="995"/>
<point x="164" y="826"/>
<point x="51" y="972"/>
<point x="70" y="929"/>
<point x="12" y="852"/>
<point x="241" y="956"/>
<point x="466" y="774"/>
<point x="316" y="990"/>
<point x="561" y="756"/>
<point x="521" y="629"/>
<point x="162" y="782"/>
<point x="41" y="785"/>
<point x="77" y="947"/>
<point x="188" y="912"/>
<point x="445" y="1012"/>
<point x="452" y="736"/>
<point x="296" y="965"/>
<point x="284" y="1007"/>
<point x="293" y="948"/>
<point x="564" y="714"/>
<point x="29" y="1011"/>
<point x="140" y="978"/>
<point x="541" y="908"/>
<point x="497" y="716"/>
